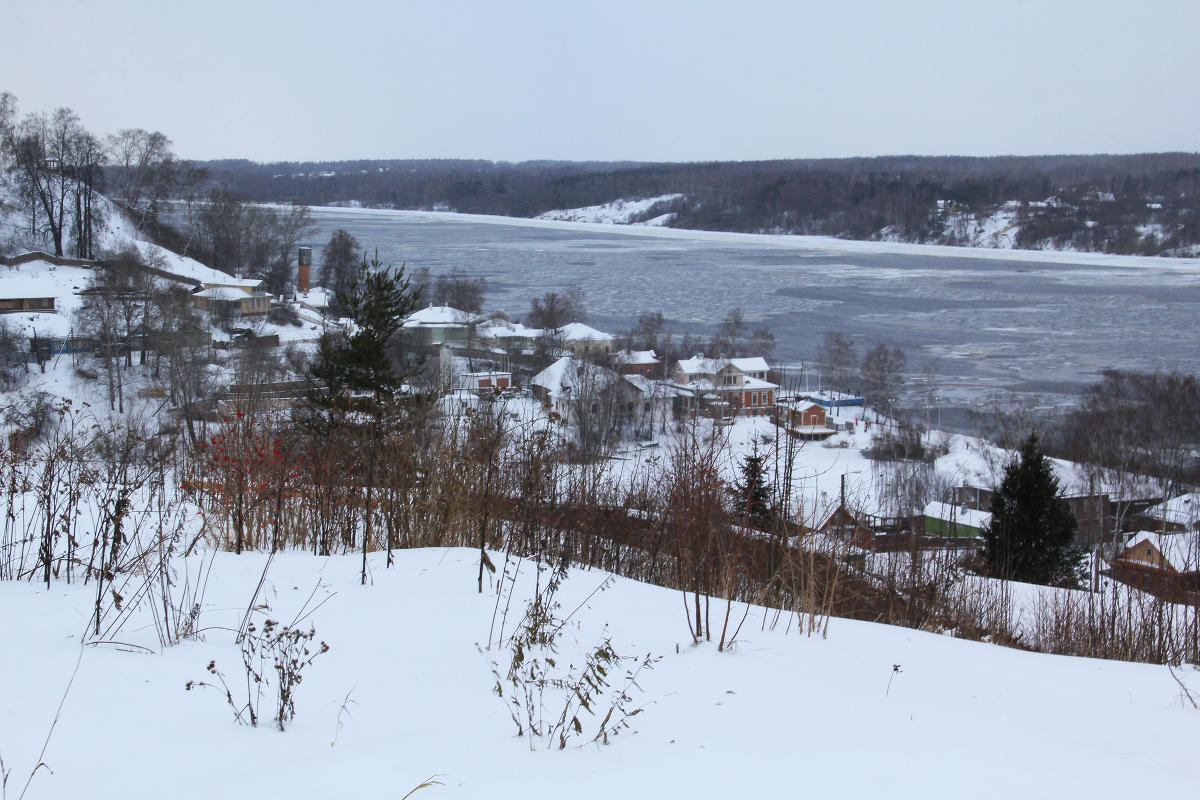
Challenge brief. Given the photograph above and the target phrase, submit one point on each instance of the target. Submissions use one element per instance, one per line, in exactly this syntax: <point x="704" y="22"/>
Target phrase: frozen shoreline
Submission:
<point x="825" y="244"/>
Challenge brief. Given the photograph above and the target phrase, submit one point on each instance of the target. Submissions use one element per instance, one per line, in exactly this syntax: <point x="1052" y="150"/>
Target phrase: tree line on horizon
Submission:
<point x="1143" y="204"/>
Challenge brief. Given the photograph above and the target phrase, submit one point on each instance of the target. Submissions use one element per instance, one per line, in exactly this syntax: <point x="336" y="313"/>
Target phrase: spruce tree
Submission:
<point x="1031" y="536"/>
<point x="376" y="300"/>
<point x="355" y="372"/>
<point x="751" y="493"/>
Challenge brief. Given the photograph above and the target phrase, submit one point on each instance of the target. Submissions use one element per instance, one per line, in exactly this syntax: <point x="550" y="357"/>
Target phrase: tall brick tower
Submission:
<point x="304" y="270"/>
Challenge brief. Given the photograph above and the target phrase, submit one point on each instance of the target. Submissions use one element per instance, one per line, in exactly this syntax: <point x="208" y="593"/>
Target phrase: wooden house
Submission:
<point x="1166" y="565"/>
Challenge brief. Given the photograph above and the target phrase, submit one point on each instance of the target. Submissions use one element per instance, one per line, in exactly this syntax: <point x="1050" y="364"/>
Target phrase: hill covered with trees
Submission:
<point x="1147" y="204"/>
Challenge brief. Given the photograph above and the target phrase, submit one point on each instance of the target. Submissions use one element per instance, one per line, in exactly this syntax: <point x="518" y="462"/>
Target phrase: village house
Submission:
<point x="724" y="387"/>
<point x="511" y="337"/>
<point x="1181" y="513"/>
<point x="1166" y="565"/>
<point x="638" y="362"/>
<point x="642" y="404"/>
<point x="440" y="325"/>
<point x="570" y="386"/>
<point x="803" y="418"/>
<point x="235" y="297"/>
<point x="585" y="342"/>
<point x="848" y="526"/>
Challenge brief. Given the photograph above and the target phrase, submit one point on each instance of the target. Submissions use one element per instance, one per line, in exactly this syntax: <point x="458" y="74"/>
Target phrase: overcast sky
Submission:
<point x="609" y="79"/>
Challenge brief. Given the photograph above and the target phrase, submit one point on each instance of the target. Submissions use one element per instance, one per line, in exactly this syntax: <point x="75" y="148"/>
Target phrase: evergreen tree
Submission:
<point x="752" y="494"/>
<point x="376" y="300"/>
<point x="1031" y="536"/>
<point x="356" y="372"/>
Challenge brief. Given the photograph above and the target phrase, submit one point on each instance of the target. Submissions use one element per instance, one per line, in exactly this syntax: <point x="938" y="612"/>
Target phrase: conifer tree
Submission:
<point x="752" y="494"/>
<point x="353" y="368"/>
<point x="376" y="300"/>
<point x="1031" y="536"/>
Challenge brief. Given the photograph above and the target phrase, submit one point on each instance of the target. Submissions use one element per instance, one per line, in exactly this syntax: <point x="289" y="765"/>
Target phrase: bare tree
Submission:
<point x="116" y="305"/>
<point x="593" y="407"/>
<point x="762" y="342"/>
<point x="291" y="227"/>
<point x="882" y="375"/>
<point x="183" y="339"/>
<point x="837" y="358"/>
<point x="143" y="171"/>
<point x="339" y="260"/>
<point x="8" y="121"/>
<point x="553" y="310"/>
<point x="458" y="290"/>
<point x="648" y="333"/>
<point x="728" y="341"/>
<point x="57" y="165"/>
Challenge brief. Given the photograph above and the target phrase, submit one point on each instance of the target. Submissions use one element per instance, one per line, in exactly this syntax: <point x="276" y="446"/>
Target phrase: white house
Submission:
<point x="440" y="325"/>
<point x="568" y="382"/>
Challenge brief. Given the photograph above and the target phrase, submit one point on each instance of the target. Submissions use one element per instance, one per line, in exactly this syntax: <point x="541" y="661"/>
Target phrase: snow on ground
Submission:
<point x="997" y="229"/>
<point x="43" y="279"/>
<point x="618" y="212"/>
<point x="869" y="711"/>
<point x="190" y="268"/>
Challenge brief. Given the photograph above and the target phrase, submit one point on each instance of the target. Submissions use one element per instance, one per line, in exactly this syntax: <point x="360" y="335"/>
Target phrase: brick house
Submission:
<point x="725" y="387"/>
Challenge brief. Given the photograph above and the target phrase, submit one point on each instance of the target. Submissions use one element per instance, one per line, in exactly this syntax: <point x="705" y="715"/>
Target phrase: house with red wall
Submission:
<point x="725" y="387"/>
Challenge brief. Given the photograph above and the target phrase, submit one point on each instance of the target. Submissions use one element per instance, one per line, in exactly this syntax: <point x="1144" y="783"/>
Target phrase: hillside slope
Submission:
<point x="405" y="693"/>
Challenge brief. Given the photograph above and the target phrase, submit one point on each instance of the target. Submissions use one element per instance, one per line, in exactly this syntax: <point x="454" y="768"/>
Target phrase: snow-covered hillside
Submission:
<point x="618" y="212"/>
<point x="405" y="692"/>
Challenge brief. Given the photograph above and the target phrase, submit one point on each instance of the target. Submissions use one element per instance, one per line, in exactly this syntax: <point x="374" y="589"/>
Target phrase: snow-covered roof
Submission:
<point x="755" y="383"/>
<point x="960" y="514"/>
<point x="697" y="386"/>
<point x="503" y="329"/>
<point x="578" y="332"/>
<point x="224" y="293"/>
<point x="699" y="365"/>
<point x="1182" y="510"/>
<point x="637" y="357"/>
<point x="753" y="364"/>
<point x="316" y="297"/>
<point x="567" y="373"/>
<point x="643" y="384"/>
<point x="439" y="316"/>
<point x="1181" y="550"/>
<point x="44" y="279"/>
<point x="799" y="406"/>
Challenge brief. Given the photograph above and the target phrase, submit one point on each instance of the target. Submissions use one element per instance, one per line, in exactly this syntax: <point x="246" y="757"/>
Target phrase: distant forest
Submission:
<point x="1145" y="204"/>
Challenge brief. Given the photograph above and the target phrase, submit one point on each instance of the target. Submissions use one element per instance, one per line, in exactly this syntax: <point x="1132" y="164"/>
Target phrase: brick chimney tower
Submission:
<point x="304" y="270"/>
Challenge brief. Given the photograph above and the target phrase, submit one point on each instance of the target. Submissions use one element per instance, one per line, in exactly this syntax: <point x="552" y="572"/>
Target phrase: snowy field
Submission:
<point x="404" y="693"/>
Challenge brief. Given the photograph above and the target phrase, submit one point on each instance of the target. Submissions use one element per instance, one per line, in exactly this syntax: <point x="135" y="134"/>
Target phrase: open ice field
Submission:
<point x="1040" y="324"/>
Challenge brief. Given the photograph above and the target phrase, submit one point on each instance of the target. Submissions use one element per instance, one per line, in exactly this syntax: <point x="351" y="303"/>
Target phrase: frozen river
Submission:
<point x="1038" y="324"/>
